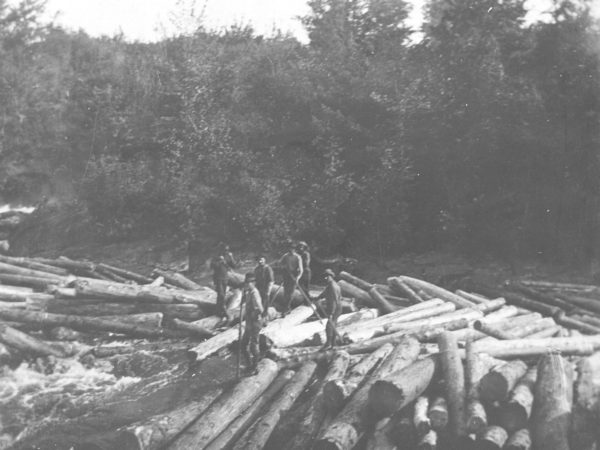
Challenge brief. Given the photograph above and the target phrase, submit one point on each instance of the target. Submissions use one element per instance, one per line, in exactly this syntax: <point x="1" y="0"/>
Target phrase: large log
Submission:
<point x="259" y="434"/>
<point x="314" y="332"/>
<point x="128" y="274"/>
<point x="177" y="279"/>
<point x="438" y="413"/>
<point x="501" y="314"/>
<point x="475" y="369"/>
<point x="492" y="438"/>
<point x="586" y="318"/>
<point x="9" y="294"/>
<point x="336" y="392"/>
<point x="569" y="322"/>
<point x="541" y="297"/>
<point x="381" y="302"/>
<point x="589" y="304"/>
<point x="282" y="326"/>
<point x="401" y="288"/>
<point x="454" y="383"/>
<point x="193" y="329"/>
<point x="23" y="342"/>
<point x="317" y="412"/>
<point x="157" y="431"/>
<point x="16" y="270"/>
<point x="517" y="348"/>
<point x="351" y="423"/>
<point x="358" y="282"/>
<point x="472" y="297"/>
<point x="491" y="306"/>
<point x="586" y="405"/>
<point x="437" y="292"/>
<point x="514" y="414"/>
<point x="551" y="415"/>
<point x="362" y="298"/>
<point x="498" y="382"/>
<point x="239" y="426"/>
<point x="21" y="280"/>
<point x="399" y="388"/>
<point x="29" y="264"/>
<point x="224" y="411"/>
<point x="145" y="320"/>
<point x="521" y="301"/>
<point x="95" y="308"/>
<point x="83" y="323"/>
<point x="531" y="328"/>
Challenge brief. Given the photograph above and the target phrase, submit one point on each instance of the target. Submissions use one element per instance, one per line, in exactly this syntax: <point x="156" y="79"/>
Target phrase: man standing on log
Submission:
<point x="220" y="270"/>
<point x="253" y="311"/>
<point x="304" y="253"/>
<point x="292" y="271"/>
<point x="264" y="282"/>
<point x="333" y="307"/>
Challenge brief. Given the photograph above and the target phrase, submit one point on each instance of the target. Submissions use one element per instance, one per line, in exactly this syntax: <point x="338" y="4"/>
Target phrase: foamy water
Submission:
<point x="20" y="208"/>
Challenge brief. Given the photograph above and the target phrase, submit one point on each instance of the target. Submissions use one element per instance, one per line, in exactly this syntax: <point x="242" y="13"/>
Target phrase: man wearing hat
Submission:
<point x="333" y="307"/>
<point x="253" y="310"/>
<point x="292" y="271"/>
<point x="220" y="270"/>
<point x="264" y="281"/>
<point x="304" y="253"/>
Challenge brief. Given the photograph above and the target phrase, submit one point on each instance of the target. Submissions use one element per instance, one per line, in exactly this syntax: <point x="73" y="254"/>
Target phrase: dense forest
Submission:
<point x="478" y="133"/>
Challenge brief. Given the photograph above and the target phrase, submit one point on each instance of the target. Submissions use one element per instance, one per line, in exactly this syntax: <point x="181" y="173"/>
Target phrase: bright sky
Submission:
<point x="150" y="20"/>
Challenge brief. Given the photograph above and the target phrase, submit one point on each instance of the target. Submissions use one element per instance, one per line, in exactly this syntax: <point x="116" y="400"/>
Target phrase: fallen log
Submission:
<point x="551" y="415"/>
<point x="531" y="328"/>
<point x="67" y="263"/>
<point x="546" y="333"/>
<point x="437" y="292"/>
<point x="586" y="318"/>
<point x="492" y="438"/>
<point x="454" y="383"/>
<point x="498" y="382"/>
<point x="421" y="419"/>
<point x="7" y="294"/>
<point x="561" y="286"/>
<point x="472" y="297"/>
<point x="351" y="422"/>
<point x="358" y="282"/>
<point x="514" y="414"/>
<point x="589" y="304"/>
<point x="281" y="326"/>
<point x="29" y="264"/>
<point x="16" y="270"/>
<point x="259" y="434"/>
<point x="110" y="275"/>
<point x="438" y="413"/>
<point x="83" y="323"/>
<point x="584" y="428"/>
<point x="224" y="411"/>
<point x="95" y="308"/>
<point x="475" y="369"/>
<point x="337" y="391"/>
<point x="144" y="320"/>
<point x="521" y="301"/>
<point x="491" y="306"/>
<point x="317" y="412"/>
<point x="127" y="274"/>
<point x="541" y="297"/>
<point x="21" y="280"/>
<point x="157" y="431"/>
<point x="177" y="279"/>
<point x="562" y="319"/>
<point x="193" y="329"/>
<point x="381" y="302"/>
<point x="401" y="288"/>
<point x="500" y="315"/>
<point x="363" y="299"/>
<point x="398" y="302"/>
<point x="23" y="342"/>
<point x="520" y="440"/>
<point x="120" y="291"/>
<point x="516" y="348"/>
<point x="314" y="332"/>
<point x="238" y="427"/>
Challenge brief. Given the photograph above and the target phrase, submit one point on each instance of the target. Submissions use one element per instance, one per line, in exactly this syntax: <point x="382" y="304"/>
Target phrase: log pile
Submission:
<point x="418" y="367"/>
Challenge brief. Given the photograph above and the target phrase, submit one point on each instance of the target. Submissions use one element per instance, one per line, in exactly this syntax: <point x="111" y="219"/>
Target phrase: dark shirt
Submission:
<point x="264" y="276"/>
<point x="230" y="260"/>
<point x="220" y="269"/>
<point x="305" y="256"/>
<point x="333" y="298"/>
<point x="292" y="264"/>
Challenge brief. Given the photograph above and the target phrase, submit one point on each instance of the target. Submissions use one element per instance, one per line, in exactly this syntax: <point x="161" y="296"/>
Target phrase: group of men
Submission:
<point x="258" y="295"/>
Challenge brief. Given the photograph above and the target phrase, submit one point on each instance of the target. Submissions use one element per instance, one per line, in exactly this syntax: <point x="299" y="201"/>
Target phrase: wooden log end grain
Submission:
<point x="497" y="384"/>
<point x="438" y="413"/>
<point x="492" y="438"/>
<point x="340" y="436"/>
<point x="476" y="417"/>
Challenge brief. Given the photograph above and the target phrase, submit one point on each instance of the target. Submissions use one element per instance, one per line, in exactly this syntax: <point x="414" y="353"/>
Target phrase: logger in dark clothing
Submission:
<point x="229" y="259"/>
<point x="333" y="307"/>
<point x="253" y="321"/>
<point x="264" y="282"/>
<point x="220" y="270"/>
<point x="292" y="271"/>
<point x="304" y="253"/>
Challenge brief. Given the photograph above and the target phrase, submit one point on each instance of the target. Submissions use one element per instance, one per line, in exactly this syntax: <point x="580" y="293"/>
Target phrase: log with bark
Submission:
<point x="86" y="324"/>
<point x="25" y="343"/>
<point x="317" y="413"/>
<point x="238" y="427"/>
<point x="539" y="296"/>
<point x="401" y="288"/>
<point x="514" y="414"/>
<point x="177" y="279"/>
<point x="452" y="372"/>
<point x="157" y="431"/>
<point x="438" y="292"/>
<point x="224" y="411"/>
<point x="518" y="348"/>
<point x="337" y="391"/>
<point x="259" y="434"/>
<point x="500" y="315"/>
<point x="551" y="415"/>
<point x="351" y="423"/>
<point x="500" y="381"/>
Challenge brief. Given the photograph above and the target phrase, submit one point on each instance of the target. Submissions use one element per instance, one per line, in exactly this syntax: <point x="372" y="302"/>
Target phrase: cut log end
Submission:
<point x="384" y="397"/>
<point x="339" y="436"/>
<point x="513" y="416"/>
<point x="493" y="386"/>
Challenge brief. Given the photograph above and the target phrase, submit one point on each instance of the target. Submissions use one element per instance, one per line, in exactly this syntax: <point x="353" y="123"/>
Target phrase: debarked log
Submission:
<point x="224" y="411"/>
<point x="514" y="414"/>
<point x="157" y="431"/>
<point x="177" y="279"/>
<point x="21" y="341"/>
<point x="438" y="292"/>
<point x="497" y="383"/>
<point x="516" y="348"/>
